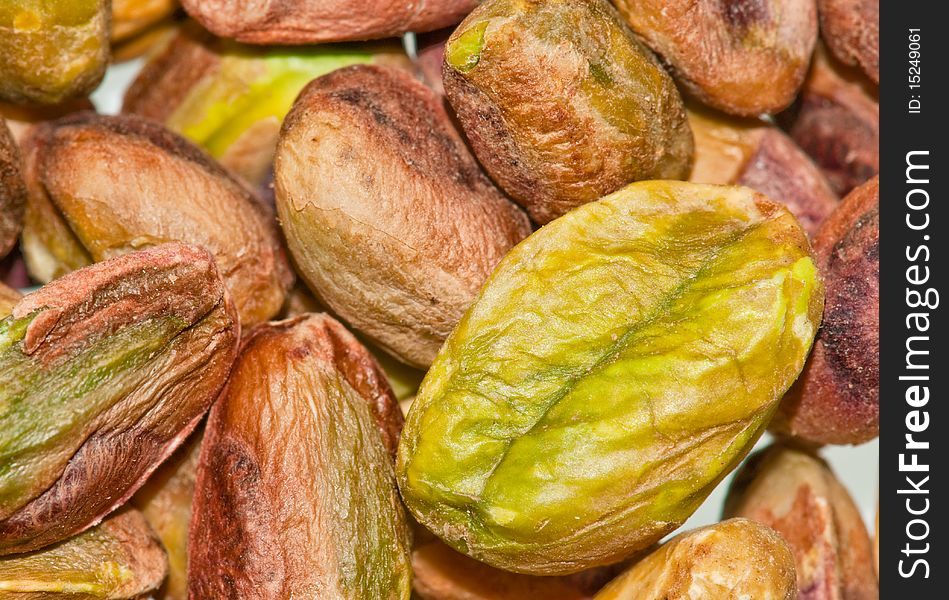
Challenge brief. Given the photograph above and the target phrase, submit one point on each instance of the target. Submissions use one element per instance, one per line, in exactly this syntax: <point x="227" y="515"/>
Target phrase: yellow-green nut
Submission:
<point x="615" y="367"/>
<point x="562" y="104"/>
<point x="51" y="50"/>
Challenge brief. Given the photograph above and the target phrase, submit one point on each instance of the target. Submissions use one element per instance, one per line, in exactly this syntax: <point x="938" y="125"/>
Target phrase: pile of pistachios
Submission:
<point x="481" y="313"/>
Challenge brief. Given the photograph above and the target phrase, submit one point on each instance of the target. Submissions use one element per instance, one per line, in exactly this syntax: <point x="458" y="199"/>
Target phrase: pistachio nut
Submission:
<point x="132" y="17"/>
<point x="615" y="367"/>
<point x="316" y="515"/>
<point x="12" y="191"/>
<point x="103" y="373"/>
<point x="389" y="219"/>
<point x="102" y="186"/>
<point x="51" y="51"/>
<point x="795" y="493"/>
<point x="562" y="104"/>
<point x="851" y="29"/>
<point x="119" y="559"/>
<point x="732" y="560"/>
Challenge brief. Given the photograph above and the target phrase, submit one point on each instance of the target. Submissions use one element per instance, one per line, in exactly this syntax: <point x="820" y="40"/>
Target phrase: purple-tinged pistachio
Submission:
<point x="735" y="559"/>
<point x="102" y="186"/>
<point x="318" y="514"/>
<point x="51" y="51"/>
<point x="388" y="216"/>
<point x="12" y="191"/>
<point x="103" y="373"/>
<point x="119" y="559"/>
<point x="796" y="494"/>
<point x="562" y="104"/>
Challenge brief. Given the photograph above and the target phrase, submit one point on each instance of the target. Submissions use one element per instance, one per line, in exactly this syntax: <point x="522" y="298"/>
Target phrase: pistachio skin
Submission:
<point x="733" y="559"/>
<point x="52" y="51"/>
<point x="230" y="98"/>
<point x="119" y="559"/>
<point x="388" y="217"/>
<point x="837" y="398"/>
<point x="319" y="514"/>
<point x="103" y="373"/>
<point x="12" y="191"/>
<point x="851" y="30"/>
<point x="101" y="186"/>
<point x="795" y="493"/>
<point x="562" y="104"/>
<point x="745" y="57"/>
<point x="753" y="153"/>
<point x="615" y="367"/>
<point x="319" y="21"/>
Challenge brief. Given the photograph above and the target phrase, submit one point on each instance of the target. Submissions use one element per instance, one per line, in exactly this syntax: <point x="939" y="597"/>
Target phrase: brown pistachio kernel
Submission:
<point x="750" y="152"/>
<point x="51" y="51"/>
<point x="102" y="186"/>
<point x="745" y="57"/>
<point x="837" y="122"/>
<point x="562" y="104"/>
<point x="733" y="560"/>
<point x="796" y="494"/>
<point x="165" y="501"/>
<point x="119" y="559"/>
<point x="313" y="21"/>
<point x="316" y="515"/>
<point x="441" y="573"/>
<point x="837" y="398"/>
<point x="21" y="117"/>
<point x="103" y="373"/>
<point x="389" y="218"/>
<point x="12" y="191"/>
<point x="851" y="29"/>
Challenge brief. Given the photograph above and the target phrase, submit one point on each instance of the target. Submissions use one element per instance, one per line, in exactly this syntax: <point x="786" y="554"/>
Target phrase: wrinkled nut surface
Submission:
<point x="797" y="495"/>
<point x="103" y="373"/>
<point x="50" y="51"/>
<point x="120" y="559"/>
<point x="749" y="152"/>
<point x="102" y="186"/>
<point x="851" y="29"/>
<point x="12" y="191"/>
<point x="131" y="17"/>
<point x="837" y="398"/>
<point x="165" y="501"/>
<point x="562" y="104"/>
<point x="317" y="515"/>
<point x="388" y="217"/>
<point x="616" y="366"/>
<point x="440" y="573"/>
<point x="231" y="99"/>
<point x="744" y="57"/>
<point x="732" y="560"/>
<point x="314" y="21"/>
<point x="837" y="122"/>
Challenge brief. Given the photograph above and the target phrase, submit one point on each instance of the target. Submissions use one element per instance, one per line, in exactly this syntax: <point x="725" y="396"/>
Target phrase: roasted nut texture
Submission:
<point x="562" y="104"/>
<point x="837" y="398"/>
<point x="50" y="51"/>
<point x="12" y="191"/>
<point x="749" y="152"/>
<point x="131" y="17"/>
<point x="120" y="559"/>
<point x="312" y="21"/>
<point x="440" y="573"/>
<point x="231" y="99"/>
<point x="837" y="122"/>
<point x="745" y="57"/>
<point x="316" y="515"/>
<point x="796" y="494"/>
<point x="851" y="30"/>
<point x="165" y="500"/>
<point x="615" y="367"/>
<point x="103" y="186"/>
<point x="102" y="374"/>
<point x="733" y="560"/>
<point x="389" y="218"/>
